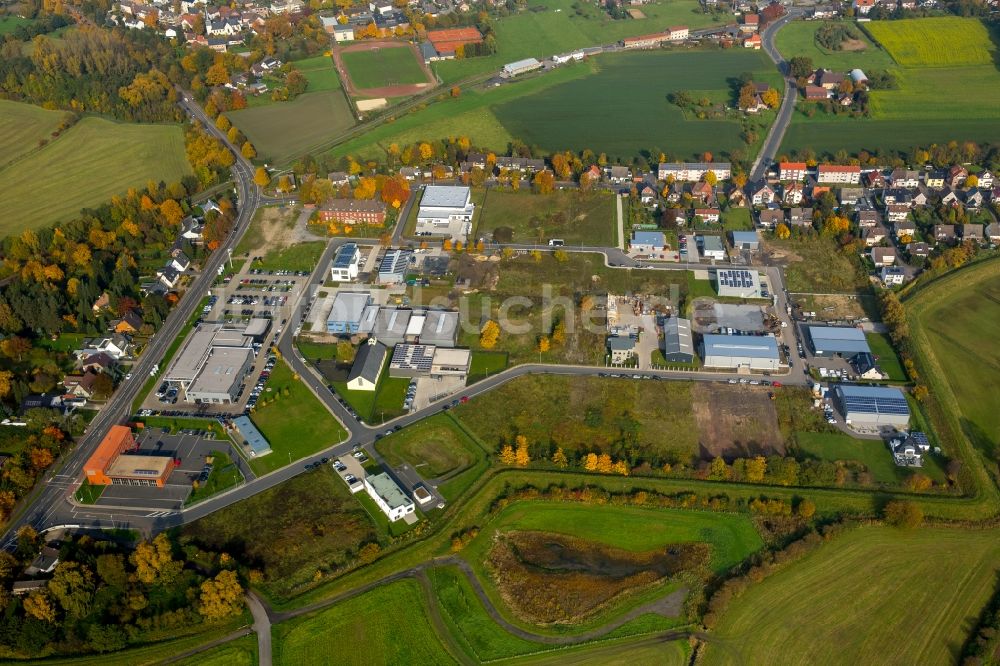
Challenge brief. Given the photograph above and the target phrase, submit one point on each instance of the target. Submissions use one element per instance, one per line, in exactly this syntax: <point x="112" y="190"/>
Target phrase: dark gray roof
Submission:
<point x="368" y="363"/>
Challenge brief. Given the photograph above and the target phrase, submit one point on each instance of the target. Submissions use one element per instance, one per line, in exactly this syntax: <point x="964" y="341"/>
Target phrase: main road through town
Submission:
<point x="51" y="504"/>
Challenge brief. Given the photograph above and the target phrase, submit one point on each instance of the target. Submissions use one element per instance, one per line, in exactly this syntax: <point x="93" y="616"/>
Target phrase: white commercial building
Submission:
<point x="346" y="263"/>
<point x="445" y="209"/>
<point x="521" y="67"/>
<point x="388" y="496"/>
<point x="211" y="364"/>
<point x="738" y="282"/>
<point x="754" y="352"/>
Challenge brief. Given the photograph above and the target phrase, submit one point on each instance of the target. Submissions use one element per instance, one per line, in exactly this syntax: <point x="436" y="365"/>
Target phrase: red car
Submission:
<point x="464" y="399"/>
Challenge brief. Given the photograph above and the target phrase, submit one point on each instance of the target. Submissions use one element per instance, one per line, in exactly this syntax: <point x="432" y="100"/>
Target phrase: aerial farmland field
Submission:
<point x="946" y="41"/>
<point x="856" y="597"/>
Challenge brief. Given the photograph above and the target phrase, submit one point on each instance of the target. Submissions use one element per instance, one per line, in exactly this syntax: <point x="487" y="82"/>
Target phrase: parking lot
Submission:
<point x="188" y="448"/>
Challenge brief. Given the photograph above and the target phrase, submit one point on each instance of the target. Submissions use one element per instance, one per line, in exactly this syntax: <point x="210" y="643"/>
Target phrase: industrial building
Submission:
<point x="110" y="464"/>
<point x="873" y="405"/>
<point x="367" y="366"/>
<point x="837" y="340"/>
<point x="391" y="325"/>
<point x="677" y="343"/>
<point x="746" y="240"/>
<point x="346" y="262"/>
<point x="388" y="496"/>
<point x="252" y="437"/>
<point x="213" y="361"/>
<point x="620" y="348"/>
<point x="520" y="67"/>
<point x="738" y="282"/>
<point x="440" y="328"/>
<point x="392" y="269"/>
<point x="451" y="362"/>
<point x="754" y="352"/>
<point x="711" y="247"/>
<point x="346" y="313"/>
<point x="411" y="360"/>
<point x="443" y="206"/>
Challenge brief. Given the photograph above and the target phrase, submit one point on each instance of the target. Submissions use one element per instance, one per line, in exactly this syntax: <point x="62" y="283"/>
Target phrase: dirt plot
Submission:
<point x="274" y="228"/>
<point x="556" y="579"/>
<point x="736" y="421"/>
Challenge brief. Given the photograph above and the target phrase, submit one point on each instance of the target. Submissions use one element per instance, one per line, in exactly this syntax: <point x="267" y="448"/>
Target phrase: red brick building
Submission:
<point x="353" y="211"/>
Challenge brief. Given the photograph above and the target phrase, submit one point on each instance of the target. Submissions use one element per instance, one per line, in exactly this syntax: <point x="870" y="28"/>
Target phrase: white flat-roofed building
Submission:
<point x="221" y="375"/>
<point x="738" y="282"/>
<point x="388" y="496"/>
<point x="346" y="263"/>
<point x="521" y="67"/>
<point x="450" y="362"/>
<point x="445" y="209"/>
<point x="754" y="352"/>
<point x="694" y="171"/>
<point x="414" y="326"/>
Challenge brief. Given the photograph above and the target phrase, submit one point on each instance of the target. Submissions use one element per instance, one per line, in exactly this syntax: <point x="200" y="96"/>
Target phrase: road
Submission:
<point x="50" y="506"/>
<point x="772" y="144"/>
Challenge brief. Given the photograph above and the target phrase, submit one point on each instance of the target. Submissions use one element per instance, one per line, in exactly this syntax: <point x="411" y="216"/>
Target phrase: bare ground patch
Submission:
<point x="853" y="45"/>
<point x="278" y="228"/>
<point x="736" y="421"/>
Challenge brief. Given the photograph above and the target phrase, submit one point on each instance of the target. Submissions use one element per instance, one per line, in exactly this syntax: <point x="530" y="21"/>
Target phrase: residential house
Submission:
<point x="647" y="242"/>
<point x="621" y="348"/>
<point x="793" y="194"/>
<point x="898" y="196"/>
<point x="852" y="196"/>
<point x="44" y="563"/>
<point x="103" y="301"/>
<point x="865" y="366"/>
<point x="816" y="93"/>
<point x="828" y="79"/>
<point x="868" y="219"/>
<point x="903" y="228"/>
<point x="676" y="215"/>
<point x="918" y="250"/>
<point x="130" y="323"/>
<point x="169" y="276"/>
<point x="905" y="178"/>
<point x="708" y="215"/>
<point x="896" y="212"/>
<point x="956" y="176"/>
<point x="986" y="179"/>
<point x="970" y="232"/>
<point x="950" y="198"/>
<point x="874" y="235"/>
<point x="835" y="173"/>
<point x="800" y="217"/>
<point x="974" y="199"/>
<point x="992" y="232"/>
<point x="619" y="175"/>
<point x="862" y="7"/>
<point x="410" y="173"/>
<point x="892" y="276"/>
<point x="340" y="178"/>
<point x="919" y="198"/>
<point x="751" y="23"/>
<point x="944" y="232"/>
<point x="737" y="198"/>
<point x="873" y="180"/>
<point x="99" y="362"/>
<point x="935" y="179"/>
<point x="81" y="386"/>
<point x="647" y="195"/>
<point x="763" y="194"/>
<point x="792" y="170"/>
<point x="703" y="192"/>
<point x="883" y="256"/>
<point x="770" y="218"/>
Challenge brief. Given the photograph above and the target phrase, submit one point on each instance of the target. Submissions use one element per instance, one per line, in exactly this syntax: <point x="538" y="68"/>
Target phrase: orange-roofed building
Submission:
<point x="111" y="465"/>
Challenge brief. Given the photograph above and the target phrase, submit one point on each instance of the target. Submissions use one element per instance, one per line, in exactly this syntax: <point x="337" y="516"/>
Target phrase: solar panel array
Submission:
<point x="874" y="405"/>
<point x="413" y="357"/>
<point x="740" y="279"/>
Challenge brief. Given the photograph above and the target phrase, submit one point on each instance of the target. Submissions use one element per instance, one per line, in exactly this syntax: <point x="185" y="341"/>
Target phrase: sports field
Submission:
<point x="283" y="132"/>
<point x="87" y="165"/>
<point x="557" y="26"/>
<point x="944" y="41"/>
<point x="961" y="320"/>
<point x="623" y="109"/>
<point x="873" y="595"/>
<point x="579" y="218"/>
<point x="378" y="68"/>
<point x="387" y="625"/>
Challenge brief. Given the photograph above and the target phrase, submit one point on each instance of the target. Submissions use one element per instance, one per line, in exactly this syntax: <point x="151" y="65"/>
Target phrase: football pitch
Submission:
<point x="382" y="67"/>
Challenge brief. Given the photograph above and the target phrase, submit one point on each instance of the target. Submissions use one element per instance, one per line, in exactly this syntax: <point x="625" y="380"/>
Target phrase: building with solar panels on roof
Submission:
<point x="873" y="405"/>
<point x="738" y="282"/>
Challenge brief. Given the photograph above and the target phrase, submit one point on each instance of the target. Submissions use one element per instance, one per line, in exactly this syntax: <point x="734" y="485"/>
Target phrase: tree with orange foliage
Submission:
<point x="41" y="458"/>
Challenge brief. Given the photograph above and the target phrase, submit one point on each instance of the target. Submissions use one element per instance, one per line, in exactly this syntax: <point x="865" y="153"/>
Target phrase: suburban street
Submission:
<point x="52" y="504"/>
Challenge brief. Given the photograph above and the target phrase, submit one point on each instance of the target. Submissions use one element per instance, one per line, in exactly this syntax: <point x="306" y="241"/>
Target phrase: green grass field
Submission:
<point x="484" y="363"/>
<point x="9" y="24"/>
<point x="829" y="136"/>
<point x="93" y="161"/>
<point x="387" y="625"/>
<point x="815" y="265"/>
<point x="283" y="132"/>
<point x="295" y="425"/>
<point x="383" y="67"/>
<point x="225" y="474"/>
<point x="798" y="38"/>
<point x="957" y="324"/>
<point x="566" y="116"/>
<point x="873" y="595"/>
<point x="557" y="26"/>
<point x="433" y="447"/>
<point x="732" y="537"/>
<point x="298" y="257"/>
<point x="579" y="218"/>
<point x="23" y="126"/>
<point x="241" y="652"/>
<point x="888" y="359"/>
<point x="834" y="446"/>
<point x="319" y="72"/>
<point x="943" y="41"/>
<point x="380" y="405"/>
<point x="583" y="414"/>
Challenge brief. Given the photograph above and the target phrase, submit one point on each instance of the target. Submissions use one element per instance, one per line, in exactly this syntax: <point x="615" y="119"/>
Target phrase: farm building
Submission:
<point x="345" y="316"/>
<point x="754" y="352"/>
<point x="367" y="366"/>
<point x="345" y="263"/>
<point x="521" y="67"/>
<point x="873" y="405"/>
<point x="677" y="343"/>
<point x="837" y="340"/>
<point x="738" y="282"/>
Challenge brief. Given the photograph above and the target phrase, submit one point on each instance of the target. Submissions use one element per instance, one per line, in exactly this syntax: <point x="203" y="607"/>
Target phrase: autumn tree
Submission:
<point x="489" y="335"/>
<point x="544" y="181"/>
<point x="903" y="514"/>
<point x="507" y="455"/>
<point x="710" y="178"/>
<point x="41" y="458"/>
<point x="248" y="151"/>
<point x="756" y="468"/>
<point x="771" y="97"/>
<point x="171" y="212"/>
<point x="154" y="563"/>
<point x="222" y="123"/>
<point x="782" y="231"/>
<point x="261" y="178"/>
<point x="590" y="462"/>
<point x="543" y="344"/>
<point x="620" y="467"/>
<point x="39" y="606"/>
<point x="559" y="458"/>
<point x="521" y="455"/>
<point x="72" y="586"/>
<point x="222" y="596"/>
<point x="806" y="509"/>
<point x="561" y="256"/>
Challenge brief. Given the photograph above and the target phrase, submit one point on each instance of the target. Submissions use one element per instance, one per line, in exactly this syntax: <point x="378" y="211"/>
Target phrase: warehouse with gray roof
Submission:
<point x="834" y="340"/>
<point x="753" y="352"/>
<point x="873" y="405"/>
<point x="678" y="346"/>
